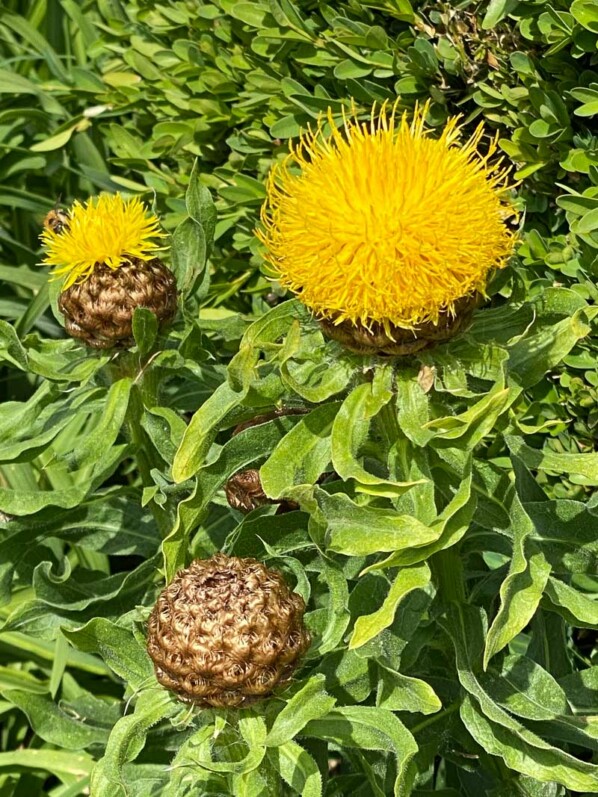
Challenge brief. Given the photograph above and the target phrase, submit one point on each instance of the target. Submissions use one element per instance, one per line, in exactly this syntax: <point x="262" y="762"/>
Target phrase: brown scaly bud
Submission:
<point x="396" y="341"/>
<point x="100" y="310"/>
<point x="244" y="490"/>
<point x="226" y="632"/>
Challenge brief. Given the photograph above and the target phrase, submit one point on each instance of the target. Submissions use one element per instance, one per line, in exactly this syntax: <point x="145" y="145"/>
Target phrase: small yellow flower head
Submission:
<point x="108" y="229"/>
<point x="383" y="223"/>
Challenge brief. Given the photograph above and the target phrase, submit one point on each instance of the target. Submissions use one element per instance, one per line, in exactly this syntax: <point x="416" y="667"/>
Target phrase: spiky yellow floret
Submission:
<point x="384" y="223"/>
<point x="108" y="229"/>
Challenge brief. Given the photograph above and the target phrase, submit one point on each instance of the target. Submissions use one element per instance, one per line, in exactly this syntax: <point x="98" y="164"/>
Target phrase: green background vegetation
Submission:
<point x="405" y="690"/>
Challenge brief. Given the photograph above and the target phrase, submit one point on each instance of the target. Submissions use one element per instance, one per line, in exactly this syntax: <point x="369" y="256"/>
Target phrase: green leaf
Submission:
<point x="78" y="590"/>
<point x="412" y="407"/>
<point x="351" y="428"/>
<point x="253" y="730"/>
<point x="65" y="765"/>
<point x="27" y="502"/>
<point x="127" y="739"/>
<point x="238" y="453"/>
<point x="11" y="348"/>
<point x="262" y="334"/>
<point x="470" y="427"/>
<point x="369" y="728"/>
<point x="527" y="753"/>
<point x="188" y="251"/>
<point x="118" y="648"/>
<point x="526" y="689"/>
<point x="55" y="725"/>
<point x="96" y="445"/>
<point x="522" y="589"/>
<point x="145" y="329"/>
<point x="298" y="769"/>
<point x="584" y="466"/>
<point x="336" y="612"/>
<point x="497" y="731"/>
<point x="398" y="692"/>
<point x="586" y="14"/>
<point x="567" y="534"/>
<point x="361" y="530"/>
<point x="202" y="430"/>
<point x="497" y="10"/>
<point x="370" y="625"/>
<point x="302" y="455"/>
<point x="533" y="355"/>
<point x="200" y="206"/>
<point x="448" y="528"/>
<point x="347" y="676"/>
<point x="578" y="609"/>
<point x="311" y="369"/>
<point x="309" y="703"/>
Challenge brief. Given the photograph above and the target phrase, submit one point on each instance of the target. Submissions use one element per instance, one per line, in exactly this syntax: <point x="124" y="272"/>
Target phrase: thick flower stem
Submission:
<point x="449" y="575"/>
<point x="143" y="396"/>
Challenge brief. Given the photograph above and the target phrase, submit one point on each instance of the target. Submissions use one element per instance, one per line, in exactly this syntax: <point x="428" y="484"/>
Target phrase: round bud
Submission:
<point x="226" y="632"/>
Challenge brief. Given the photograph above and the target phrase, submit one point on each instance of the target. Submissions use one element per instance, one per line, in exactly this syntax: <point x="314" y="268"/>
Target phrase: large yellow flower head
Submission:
<point x="108" y="229"/>
<point x="383" y="223"/>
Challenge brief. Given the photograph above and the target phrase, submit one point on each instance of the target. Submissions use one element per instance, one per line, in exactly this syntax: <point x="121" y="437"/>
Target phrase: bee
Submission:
<point x="57" y="220"/>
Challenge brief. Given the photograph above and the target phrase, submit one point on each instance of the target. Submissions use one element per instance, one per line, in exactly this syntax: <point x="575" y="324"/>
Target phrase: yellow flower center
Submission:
<point x="108" y="230"/>
<point x="383" y="223"/>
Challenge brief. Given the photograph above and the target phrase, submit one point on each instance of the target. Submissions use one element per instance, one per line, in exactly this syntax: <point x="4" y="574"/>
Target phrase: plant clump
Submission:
<point x="227" y="631"/>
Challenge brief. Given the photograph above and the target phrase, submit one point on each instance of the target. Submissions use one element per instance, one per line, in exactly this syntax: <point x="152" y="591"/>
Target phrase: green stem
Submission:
<point x="435" y="717"/>
<point x="138" y="437"/>
<point x="143" y="396"/>
<point x="450" y="578"/>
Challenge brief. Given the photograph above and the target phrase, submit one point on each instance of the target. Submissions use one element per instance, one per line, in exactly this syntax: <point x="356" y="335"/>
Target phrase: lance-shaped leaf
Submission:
<point x="406" y="580"/>
<point x="309" y="703"/>
<point x="351" y="430"/>
<point x="127" y="740"/>
<point x="302" y="455"/>
<point x="297" y="768"/>
<point x="202" y="430"/>
<point x="522" y="589"/>
<point x="369" y="728"/>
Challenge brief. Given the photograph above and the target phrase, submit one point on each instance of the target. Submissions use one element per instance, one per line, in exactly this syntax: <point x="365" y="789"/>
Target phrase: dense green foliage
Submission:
<point x="447" y="537"/>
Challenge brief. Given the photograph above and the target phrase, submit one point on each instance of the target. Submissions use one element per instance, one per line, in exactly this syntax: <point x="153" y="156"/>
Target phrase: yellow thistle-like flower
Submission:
<point x="107" y="230"/>
<point x="384" y="224"/>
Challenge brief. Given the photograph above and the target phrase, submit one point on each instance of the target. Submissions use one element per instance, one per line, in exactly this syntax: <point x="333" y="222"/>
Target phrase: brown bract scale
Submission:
<point x="226" y="632"/>
<point x="397" y="341"/>
<point x="244" y="492"/>
<point x="99" y="311"/>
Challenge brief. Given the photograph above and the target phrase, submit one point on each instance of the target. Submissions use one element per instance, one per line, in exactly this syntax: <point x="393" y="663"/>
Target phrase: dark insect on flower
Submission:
<point x="57" y="220"/>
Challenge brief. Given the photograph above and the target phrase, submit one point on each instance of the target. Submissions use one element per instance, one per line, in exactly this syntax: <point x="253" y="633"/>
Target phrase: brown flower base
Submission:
<point x="100" y="310"/>
<point x="244" y="492"/>
<point x="376" y="340"/>
<point x="226" y="632"/>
